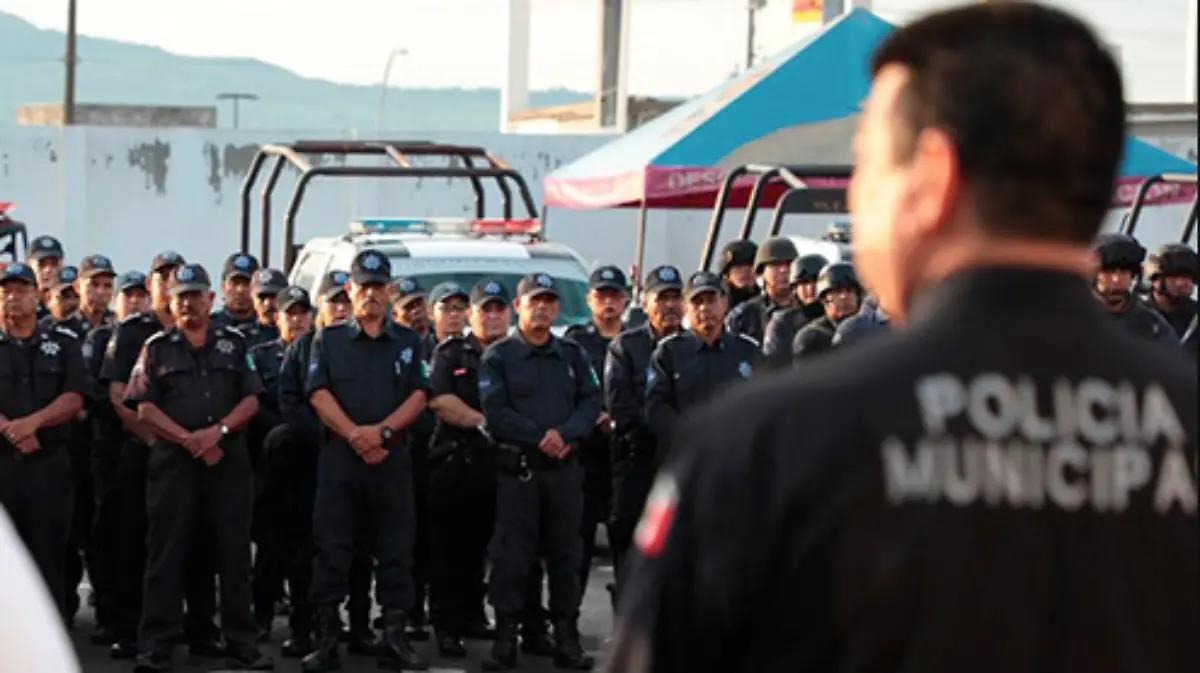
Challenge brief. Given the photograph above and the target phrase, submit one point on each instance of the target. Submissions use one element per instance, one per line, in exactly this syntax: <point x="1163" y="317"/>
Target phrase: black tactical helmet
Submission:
<point x="1119" y="251"/>
<point x="806" y="269"/>
<point x="1173" y="259"/>
<point x="737" y="253"/>
<point x="774" y="251"/>
<point x="837" y="276"/>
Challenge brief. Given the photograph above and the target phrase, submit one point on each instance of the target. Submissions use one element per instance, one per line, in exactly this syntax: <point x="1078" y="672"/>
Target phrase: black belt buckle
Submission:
<point x="524" y="474"/>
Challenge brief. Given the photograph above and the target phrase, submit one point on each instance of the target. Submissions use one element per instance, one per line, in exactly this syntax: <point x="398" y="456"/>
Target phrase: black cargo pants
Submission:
<point x="462" y="510"/>
<point x="634" y="470"/>
<point x="36" y="491"/>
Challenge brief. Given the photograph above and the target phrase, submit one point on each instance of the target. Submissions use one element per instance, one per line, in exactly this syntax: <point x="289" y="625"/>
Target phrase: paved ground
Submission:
<point x="595" y="624"/>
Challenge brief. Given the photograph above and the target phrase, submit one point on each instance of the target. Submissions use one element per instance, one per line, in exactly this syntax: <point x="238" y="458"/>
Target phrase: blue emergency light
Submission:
<point x="390" y="225"/>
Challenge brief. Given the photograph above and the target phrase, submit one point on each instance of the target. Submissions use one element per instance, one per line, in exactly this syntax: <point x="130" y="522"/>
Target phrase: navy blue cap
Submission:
<point x="190" y="278"/>
<point x="537" y="283"/>
<point x="269" y="281"/>
<point x="96" y="265"/>
<point x="333" y="283"/>
<point x="293" y="296"/>
<point x="703" y="281"/>
<point x="130" y="280"/>
<point x="66" y="278"/>
<point x="239" y="265"/>
<point x="370" y="266"/>
<point x="443" y="291"/>
<point x="665" y="277"/>
<point x="607" y="278"/>
<point x="488" y="290"/>
<point x="20" y="273"/>
<point x="166" y="259"/>
<point x="45" y="247"/>
<point x="407" y="289"/>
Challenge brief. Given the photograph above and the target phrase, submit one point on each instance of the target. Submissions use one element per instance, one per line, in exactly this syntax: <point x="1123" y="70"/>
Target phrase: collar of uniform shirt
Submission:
<point x="1001" y="290"/>
<point x="210" y="337"/>
<point x="356" y="330"/>
<point x="551" y="347"/>
<point x="700" y="346"/>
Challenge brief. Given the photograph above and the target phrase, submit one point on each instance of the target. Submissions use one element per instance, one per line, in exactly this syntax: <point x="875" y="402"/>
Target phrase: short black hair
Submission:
<point x="1034" y="104"/>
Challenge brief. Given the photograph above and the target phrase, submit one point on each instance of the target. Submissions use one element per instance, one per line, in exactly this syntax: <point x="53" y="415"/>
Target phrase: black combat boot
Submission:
<point x="536" y="639"/>
<point x="396" y="653"/>
<point x="324" y="656"/>
<point x="570" y="655"/>
<point x="299" y="641"/>
<point x="504" y="648"/>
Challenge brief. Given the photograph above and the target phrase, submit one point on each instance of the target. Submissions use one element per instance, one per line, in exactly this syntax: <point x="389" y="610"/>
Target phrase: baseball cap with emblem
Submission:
<point x="168" y="259"/>
<point x="190" y="278"/>
<point x="448" y="290"/>
<point x="407" y="289"/>
<point x="45" y="247"/>
<point x="701" y="282"/>
<point x="370" y="266"/>
<point x="607" y="278"/>
<point x="333" y="284"/>
<point x="293" y="296"/>
<point x="488" y="290"/>
<point x="96" y="265"/>
<point x="65" y="279"/>
<point x="131" y="280"/>
<point x="18" y="273"/>
<point x="664" y="277"/>
<point x="537" y="284"/>
<point x="269" y="281"/>
<point x="239" y="265"/>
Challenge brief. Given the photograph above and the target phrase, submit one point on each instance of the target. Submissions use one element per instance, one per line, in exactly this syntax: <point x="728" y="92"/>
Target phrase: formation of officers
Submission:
<point x="382" y="435"/>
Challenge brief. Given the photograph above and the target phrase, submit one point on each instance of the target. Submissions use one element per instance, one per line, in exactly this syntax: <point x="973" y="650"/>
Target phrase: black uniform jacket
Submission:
<point x="1007" y="484"/>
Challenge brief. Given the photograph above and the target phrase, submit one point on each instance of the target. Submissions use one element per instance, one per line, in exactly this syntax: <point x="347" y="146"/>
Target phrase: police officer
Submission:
<point x="107" y="437"/>
<point x="772" y="263"/>
<point x="333" y="299"/>
<point x="871" y="320"/>
<point x="607" y="299"/>
<point x="195" y="388"/>
<point x="688" y="367"/>
<point x="410" y="307"/>
<point x="62" y="301"/>
<point x="45" y="255"/>
<point x="626" y="371"/>
<point x="462" y="476"/>
<point x="268" y="283"/>
<point x="540" y="398"/>
<point x="42" y="385"/>
<point x="737" y="270"/>
<point x="237" y="276"/>
<point x="785" y="324"/>
<point x="293" y="312"/>
<point x="1119" y="258"/>
<point x="840" y="292"/>
<point x="1173" y="270"/>
<point x="120" y="356"/>
<point x="94" y="286"/>
<point x="368" y="384"/>
<point x="798" y="542"/>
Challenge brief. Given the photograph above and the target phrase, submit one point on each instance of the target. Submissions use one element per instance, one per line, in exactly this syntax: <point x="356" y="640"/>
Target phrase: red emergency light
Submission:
<point x="6" y="207"/>
<point x="506" y="227"/>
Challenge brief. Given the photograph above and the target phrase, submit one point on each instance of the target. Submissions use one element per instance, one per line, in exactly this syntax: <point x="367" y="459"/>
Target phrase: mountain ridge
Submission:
<point x="125" y="73"/>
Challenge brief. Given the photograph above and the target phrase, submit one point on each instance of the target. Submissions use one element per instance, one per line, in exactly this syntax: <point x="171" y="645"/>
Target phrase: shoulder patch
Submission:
<point x="66" y="331"/>
<point x="156" y="337"/>
<point x="230" y="332"/>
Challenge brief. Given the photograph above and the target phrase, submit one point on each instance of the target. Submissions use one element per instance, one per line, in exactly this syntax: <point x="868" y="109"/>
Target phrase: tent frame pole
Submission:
<point x="640" y="257"/>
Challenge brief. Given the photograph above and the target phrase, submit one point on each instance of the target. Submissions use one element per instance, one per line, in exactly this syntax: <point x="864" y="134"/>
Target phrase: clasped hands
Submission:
<point x="205" y="444"/>
<point x="367" y="442"/>
<point x="553" y="445"/>
<point x="21" y="433"/>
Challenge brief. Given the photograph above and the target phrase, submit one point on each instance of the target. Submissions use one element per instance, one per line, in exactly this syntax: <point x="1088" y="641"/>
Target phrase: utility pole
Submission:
<point x="752" y="9"/>
<point x="236" y="98"/>
<point x="70" y="61"/>
<point x="383" y="87"/>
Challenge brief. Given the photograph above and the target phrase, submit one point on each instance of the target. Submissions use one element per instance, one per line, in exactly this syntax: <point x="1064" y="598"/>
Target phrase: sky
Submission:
<point x="678" y="47"/>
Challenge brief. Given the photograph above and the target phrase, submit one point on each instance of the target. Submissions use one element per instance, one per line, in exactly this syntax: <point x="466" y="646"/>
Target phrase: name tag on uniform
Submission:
<point x="461" y="371"/>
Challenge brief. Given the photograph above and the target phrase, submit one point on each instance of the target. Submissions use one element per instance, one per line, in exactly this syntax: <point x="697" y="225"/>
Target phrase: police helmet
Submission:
<point x="737" y="253"/>
<point x="777" y="250"/>
<point x="1173" y="259"/>
<point x="806" y="268"/>
<point x="837" y="276"/>
<point x="1119" y="251"/>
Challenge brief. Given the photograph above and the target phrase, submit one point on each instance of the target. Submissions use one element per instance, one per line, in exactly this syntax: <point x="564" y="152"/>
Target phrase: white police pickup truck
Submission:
<point x="435" y="250"/>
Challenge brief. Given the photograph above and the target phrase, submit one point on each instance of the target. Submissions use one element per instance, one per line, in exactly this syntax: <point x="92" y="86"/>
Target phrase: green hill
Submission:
<point x="31" y="68"/>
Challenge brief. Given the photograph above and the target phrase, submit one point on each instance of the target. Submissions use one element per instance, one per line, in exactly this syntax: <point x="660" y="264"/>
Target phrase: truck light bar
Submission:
<point x="481" y="227"/>
<point x="7" y="207"/>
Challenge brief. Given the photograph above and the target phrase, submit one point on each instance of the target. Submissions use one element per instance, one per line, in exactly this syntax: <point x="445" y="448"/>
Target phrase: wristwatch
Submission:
<point x="386" y="434"/>
<point x="224" y="430"/>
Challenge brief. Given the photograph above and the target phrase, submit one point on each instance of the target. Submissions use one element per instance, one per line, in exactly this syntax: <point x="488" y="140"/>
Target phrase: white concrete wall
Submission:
<point x="132" y="193"/>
